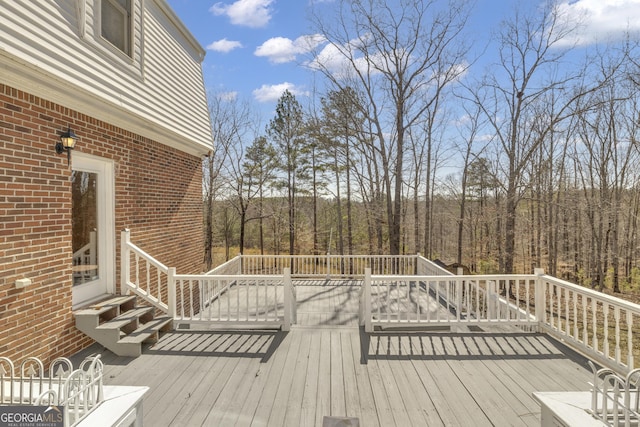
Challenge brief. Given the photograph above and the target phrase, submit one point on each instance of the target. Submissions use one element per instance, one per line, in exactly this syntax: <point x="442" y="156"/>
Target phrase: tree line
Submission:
<point x="531" y="162"/>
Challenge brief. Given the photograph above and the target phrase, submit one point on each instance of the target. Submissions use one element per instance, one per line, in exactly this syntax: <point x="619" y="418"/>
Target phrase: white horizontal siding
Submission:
<point x="159" y="93"/>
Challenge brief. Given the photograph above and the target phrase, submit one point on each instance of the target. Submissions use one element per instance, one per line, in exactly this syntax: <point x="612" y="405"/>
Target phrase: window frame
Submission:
<point x="128" y="28"/>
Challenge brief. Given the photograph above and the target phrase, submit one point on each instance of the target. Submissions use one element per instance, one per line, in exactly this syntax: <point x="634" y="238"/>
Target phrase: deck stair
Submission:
<point x="121" y="326"/>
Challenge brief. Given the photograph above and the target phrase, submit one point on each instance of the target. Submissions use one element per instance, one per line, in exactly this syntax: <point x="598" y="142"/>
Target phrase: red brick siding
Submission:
<point x="158" y="196"/>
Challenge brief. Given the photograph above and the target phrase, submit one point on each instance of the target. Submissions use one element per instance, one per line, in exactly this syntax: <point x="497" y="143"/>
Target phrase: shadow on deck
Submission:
<point x="328" y="366"/>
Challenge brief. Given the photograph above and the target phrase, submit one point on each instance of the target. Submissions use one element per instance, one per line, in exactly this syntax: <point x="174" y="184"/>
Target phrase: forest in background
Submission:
<point x="532" y="162"/>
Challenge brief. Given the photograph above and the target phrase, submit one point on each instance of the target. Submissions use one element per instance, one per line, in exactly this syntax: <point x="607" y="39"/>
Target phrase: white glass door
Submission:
<point x="93" y="231"/>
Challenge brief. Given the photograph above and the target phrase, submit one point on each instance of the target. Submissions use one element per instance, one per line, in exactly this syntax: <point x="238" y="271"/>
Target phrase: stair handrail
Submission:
<point x="167" y="305"/>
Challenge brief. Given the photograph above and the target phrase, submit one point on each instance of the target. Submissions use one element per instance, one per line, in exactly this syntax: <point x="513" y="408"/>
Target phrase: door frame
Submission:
<point x="105" y="284"/>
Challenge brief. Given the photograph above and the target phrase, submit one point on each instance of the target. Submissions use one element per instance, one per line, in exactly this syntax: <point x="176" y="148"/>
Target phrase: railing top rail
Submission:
<point x="225" y="264"/>
<point x="326" y="255"/>
<point x="453" y="277"/>
<point x="433" y="265"/>
<point x="627" y="305"/>
<point x="263" y="277"/>
<point x="151" y="260"/>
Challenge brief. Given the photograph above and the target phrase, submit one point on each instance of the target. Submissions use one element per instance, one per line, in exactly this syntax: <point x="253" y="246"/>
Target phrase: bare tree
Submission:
<point x="469" y="132"/>
<point x="531" y="52"/>
<point x="607" y="151"/>
<point x="400" y="56"/>
<point x="229" y="121"/>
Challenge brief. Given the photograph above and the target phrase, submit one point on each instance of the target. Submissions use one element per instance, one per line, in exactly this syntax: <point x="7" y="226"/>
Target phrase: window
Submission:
<point x="116" y="23"/>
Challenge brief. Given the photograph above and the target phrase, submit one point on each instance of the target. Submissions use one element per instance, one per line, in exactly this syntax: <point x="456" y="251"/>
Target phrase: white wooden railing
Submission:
<point x="398" y="301"/>
<point x="233" y="266"/>
<point x="255" y="291"/>
<point x="261" y="301"/>
<point x="606" y="328"/>
<point x="145" y="276"/>
<point x="74" y="392"/>
<point x="329" y="266"/>
<point x="85" y="262"/>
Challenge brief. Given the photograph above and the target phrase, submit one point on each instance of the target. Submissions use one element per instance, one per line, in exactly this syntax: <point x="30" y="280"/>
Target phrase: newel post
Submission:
<point x="288" y="299"/>
<point x="367" y="301"/>
<point x="540" y="297"/>
<point x="125" y="260"/>
<point x="171" y="292"/>
<point x="328" y="265"/>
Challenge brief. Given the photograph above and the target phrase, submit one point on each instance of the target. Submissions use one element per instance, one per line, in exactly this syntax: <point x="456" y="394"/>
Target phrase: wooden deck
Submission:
<point x="324" y="304"/>
<point x="327" y="365"/>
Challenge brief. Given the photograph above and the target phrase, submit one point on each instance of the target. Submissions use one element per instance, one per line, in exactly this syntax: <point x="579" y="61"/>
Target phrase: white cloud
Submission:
<point x="224" y="45"/>
<point x="333" y="59"/>
<point x="249" y="13"/>
<point x="602" y="20"/>
<point x="270" y="93"/>
<point x="281" y="49"/>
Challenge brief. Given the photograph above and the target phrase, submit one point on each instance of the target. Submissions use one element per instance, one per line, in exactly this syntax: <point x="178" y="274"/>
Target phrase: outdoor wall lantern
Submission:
<point x="67" y="142"/>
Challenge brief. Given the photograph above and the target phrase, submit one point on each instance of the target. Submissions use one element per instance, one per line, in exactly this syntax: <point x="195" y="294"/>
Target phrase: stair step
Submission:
<point x="125" y="318"/>
<point x="104" y="306"/>
<point x="147" y="330"/>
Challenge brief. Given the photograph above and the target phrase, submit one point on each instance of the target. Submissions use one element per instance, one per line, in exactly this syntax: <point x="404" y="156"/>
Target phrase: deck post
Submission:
<point x="171" y="292"/>
<point x="288" y="300"/>
<point x="539" y="298"/>
<point x="328" y="265"/>
<point x="492" y="300"/>
<point x="125" y="260"/>
<point x="368" y="327"/>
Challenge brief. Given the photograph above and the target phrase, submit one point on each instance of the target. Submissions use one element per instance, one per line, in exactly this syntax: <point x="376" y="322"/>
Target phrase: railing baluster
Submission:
<point x="527" y="305"/>
<point x="137" y="258"/>
<point x="458" y="291"/>
<point x="630" y="361"/>
<point x="159" y="285"/>
<point x="148" y="268"/>
<point x="228" y="299"/>
<point x="219" y="285"/>
<point x="246" y="309"/>
<point x="575" y="315"/>
<point x="191" y="299"/>
<point x="257" y="306"/>
<point x="275" y="301"/>
<point x="605" y="344"/>
<point x="209" y="290"/>
<point x="552" y="292"/>
<point x="585" y="335"/>
<point x="594" y="322"/>
<point x="182" y="299"/>
<point x="566" y="309"/>
<point x="616" y="315"/>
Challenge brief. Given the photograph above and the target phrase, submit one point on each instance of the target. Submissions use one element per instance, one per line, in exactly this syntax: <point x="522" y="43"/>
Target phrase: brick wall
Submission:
<point x="158" y="196"/>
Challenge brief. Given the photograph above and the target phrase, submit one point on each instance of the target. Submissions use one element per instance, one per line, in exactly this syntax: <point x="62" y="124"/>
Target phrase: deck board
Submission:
<point x="328" y="366"/>
<point x="296" y="391"/>
<point x="323" y="397"/>
<point x="310" y="392"/>
<point x="338" y="403"/>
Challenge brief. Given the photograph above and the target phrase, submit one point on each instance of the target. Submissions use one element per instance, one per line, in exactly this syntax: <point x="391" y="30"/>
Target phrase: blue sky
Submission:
<point x="255" y="47"/>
